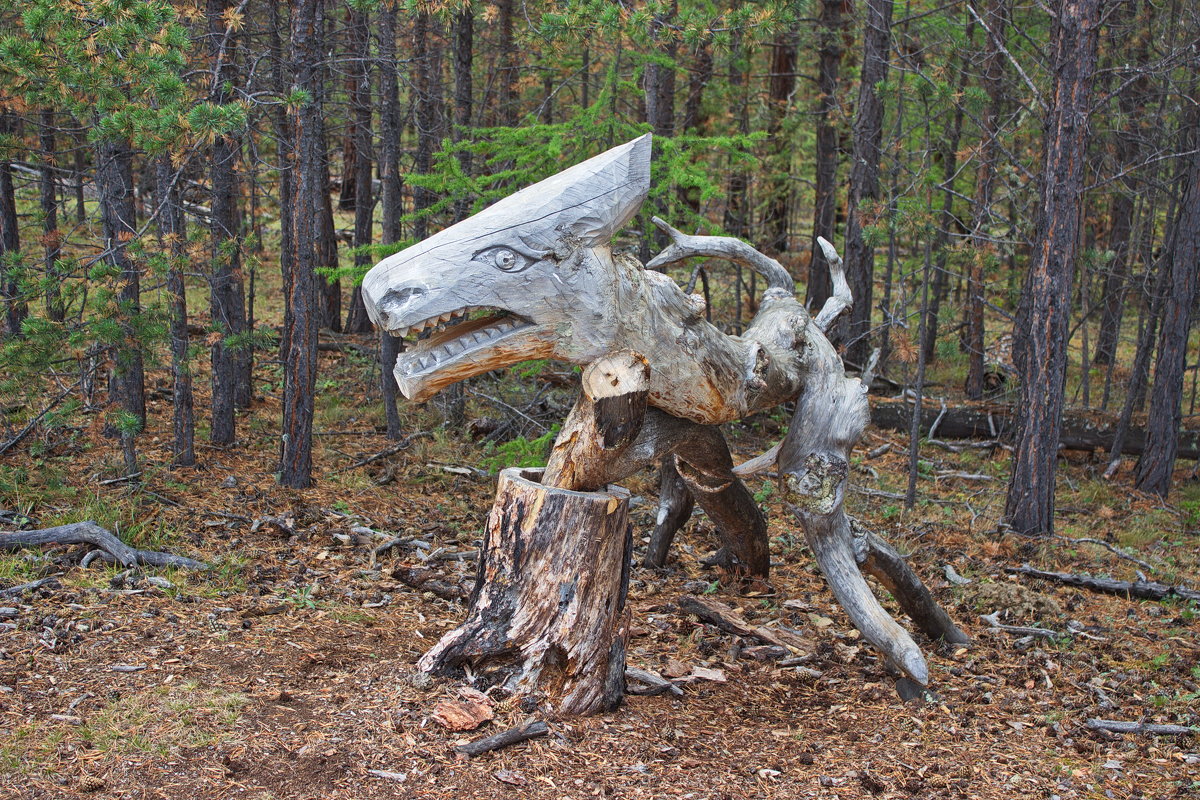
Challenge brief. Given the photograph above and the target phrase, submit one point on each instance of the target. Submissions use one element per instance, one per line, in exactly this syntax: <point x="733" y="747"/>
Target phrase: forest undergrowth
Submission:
<point x="287" y="669"/>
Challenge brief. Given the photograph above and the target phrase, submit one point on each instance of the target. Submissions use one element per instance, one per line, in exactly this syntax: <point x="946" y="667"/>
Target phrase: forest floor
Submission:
<point x="287" y="670"/>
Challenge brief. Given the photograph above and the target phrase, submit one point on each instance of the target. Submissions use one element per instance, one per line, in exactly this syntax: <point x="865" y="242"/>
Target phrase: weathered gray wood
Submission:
<point x="890" y="569"/>
<point x="89" y="532"/>
<point x="1118" y="726"/>
<point x="534" y="276"/>
<point x="1144" y="590"/>
<point x="548" y="614"/>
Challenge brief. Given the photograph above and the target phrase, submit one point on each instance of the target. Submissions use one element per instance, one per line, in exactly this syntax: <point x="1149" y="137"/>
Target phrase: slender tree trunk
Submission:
<point x="1154" y="468"/>
<point x="983" y="252"/>
<point x="229" y="350"/>
<point x="15" y="309"/>
<point x="946" y="219"/>
<point x="114" y="185"/>
<point x="659" y="79"/>
<point x="825" y="200"/>
<point x="427" y="57"/>
<point x="1131" y="100"/>
<point x="174" y="234"/>
<point x="780" y="86"/>
<point x="507" y="110"/>
<point x="49" y="201"/>
<point x="357" y="320"/>
<point x="464" y="93"/>
<point x="737" y="204"/>
<point x="699" y="78"/>
<point x="283" y="145"/>
<point x="300" y="360"/>
<point x="330" y="289"/>
<point x="1043" y="317"/>
<point x="864" y="177"/>
<point x="392" y="195"/>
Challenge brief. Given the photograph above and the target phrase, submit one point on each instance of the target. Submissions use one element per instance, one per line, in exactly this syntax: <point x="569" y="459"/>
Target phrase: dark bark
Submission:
<point x="330" y="289"/>
<point x="81" y="150"/>
<point x="429" y="118"/>
<point x="1043" y="317"/>
<point x="283" y="138"/>
<point x="737" y="205"/>
<point x="659" y="78"/>
<point x="864" y="177"/>
<point x="780" y="86"/>
<point x="392" y="186"/>
<point x="675" y="504"/>
<point x="357" y="320"/>
<point x="506" y="67"/>
<point x="114" y="186"/>
<point x="49" y="203"/>
<point x="1154" y="468"/>
<point x="15" y="309"/>
<point x="1083" y="431"/>
<point x="701" y="73"/>
<point x="825" y="198"/>
<point x="464" y="93"/>
<point x="171" y="224"/>
<point x="229" y="352"/>
<point x="300" y="358"/>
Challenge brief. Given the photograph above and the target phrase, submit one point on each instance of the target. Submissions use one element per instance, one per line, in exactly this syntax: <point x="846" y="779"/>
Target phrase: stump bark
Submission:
<point x="548" y="616"/>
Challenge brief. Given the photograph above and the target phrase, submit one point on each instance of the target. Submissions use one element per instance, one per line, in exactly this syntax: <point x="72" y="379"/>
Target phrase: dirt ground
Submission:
<point x="287" y="670"/>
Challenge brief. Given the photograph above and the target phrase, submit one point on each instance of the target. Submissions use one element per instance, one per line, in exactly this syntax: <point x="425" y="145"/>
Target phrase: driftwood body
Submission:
<point x="533" y="277"/>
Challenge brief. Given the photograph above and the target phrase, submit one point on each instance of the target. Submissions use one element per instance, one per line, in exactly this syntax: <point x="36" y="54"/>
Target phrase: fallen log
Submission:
<point x="730" y="621"/>
<point x="1143" y="590"/>
<point x="521" y="733"/>
<point x="89" y="532"/>
<point x="1118" y="726"/>
<point x="1080" y="431"/>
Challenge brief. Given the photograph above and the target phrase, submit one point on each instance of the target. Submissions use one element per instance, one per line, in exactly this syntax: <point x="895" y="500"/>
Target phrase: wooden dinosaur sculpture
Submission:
<point x="534" y="276"/>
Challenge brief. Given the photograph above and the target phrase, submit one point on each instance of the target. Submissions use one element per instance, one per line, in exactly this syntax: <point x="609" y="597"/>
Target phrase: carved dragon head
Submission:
<point x="531" y="276"/>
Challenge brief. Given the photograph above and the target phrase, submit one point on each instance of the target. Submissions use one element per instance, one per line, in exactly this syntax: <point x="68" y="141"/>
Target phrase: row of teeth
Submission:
<point x="467" y="341"/>
<point x="434" y="322"/>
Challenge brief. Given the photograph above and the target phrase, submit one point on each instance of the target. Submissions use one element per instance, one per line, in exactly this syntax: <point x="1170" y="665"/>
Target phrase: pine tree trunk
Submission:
<point x="171" y="224"/>
<point x="981" y="215"/>
<point x="1155" y="467"/>
<point x="49" y="202"/>
<point x="357" y="320"/>
<point x="506" y="69"/>
<point x="780" y="85"/>
<point x="1043" y="317"/>
<point x="825" y="199"/>
<point x="225" y="288"/>
<point x="659" y="79"/>
<point x="300" y="359"/>
<point x="429" y="112"/>
<point x="864" y="177"/>
<point x="10" y="241"/>
<point x="392" y="197"/>
<point x="114" y="186"/>
<point x="283" y="143"/>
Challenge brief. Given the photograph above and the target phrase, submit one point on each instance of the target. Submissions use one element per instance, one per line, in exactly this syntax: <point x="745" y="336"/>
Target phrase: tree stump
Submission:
<point x="548" y="617"/>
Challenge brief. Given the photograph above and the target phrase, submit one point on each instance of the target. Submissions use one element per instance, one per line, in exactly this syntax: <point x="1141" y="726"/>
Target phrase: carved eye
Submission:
<point x="505" y="258"/>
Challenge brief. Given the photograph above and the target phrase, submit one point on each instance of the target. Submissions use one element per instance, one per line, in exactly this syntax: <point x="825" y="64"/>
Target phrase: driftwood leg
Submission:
<point x="740" y="523"/>
<point x="548" y="617"/>
<point x="890" y="569"/>
<point x="675" y="504"/>
<point x="813" y="464"/>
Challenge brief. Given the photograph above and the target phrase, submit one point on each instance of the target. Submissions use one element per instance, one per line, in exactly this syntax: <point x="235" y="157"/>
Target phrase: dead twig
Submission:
<point x="404" y="445"/>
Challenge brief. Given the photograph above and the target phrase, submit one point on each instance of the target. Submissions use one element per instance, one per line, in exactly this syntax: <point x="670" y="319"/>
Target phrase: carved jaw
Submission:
<point x="465" y="342"/>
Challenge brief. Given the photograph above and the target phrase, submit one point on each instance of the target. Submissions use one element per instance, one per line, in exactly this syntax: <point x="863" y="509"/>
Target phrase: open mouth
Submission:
<point x="454" y="333"/>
